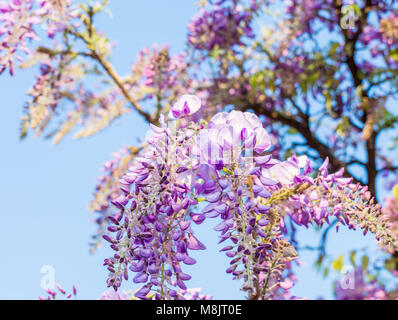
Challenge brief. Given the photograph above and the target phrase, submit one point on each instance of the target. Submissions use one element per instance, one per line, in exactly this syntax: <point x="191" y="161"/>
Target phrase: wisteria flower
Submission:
<point x="185" y="106"/>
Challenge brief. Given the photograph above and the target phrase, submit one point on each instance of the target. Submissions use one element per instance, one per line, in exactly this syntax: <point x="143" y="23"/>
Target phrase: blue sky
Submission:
<point x="45" y="189"/>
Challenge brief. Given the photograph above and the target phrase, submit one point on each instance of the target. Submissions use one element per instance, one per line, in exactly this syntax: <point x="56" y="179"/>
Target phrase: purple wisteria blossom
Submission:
<point x="185" y="106"/>
<point x="222" y="26"/>
<point x="18" y="23"/>
<point x="172" y="185"/>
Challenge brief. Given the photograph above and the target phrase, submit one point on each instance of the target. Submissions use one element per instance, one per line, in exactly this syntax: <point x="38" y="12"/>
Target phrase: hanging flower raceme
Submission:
<point x="18" y="20"/>
<point x="221" y="27"/>
<point x="153" y="234"/>
<point x="158" y="76"/>
<point x="107" y="189"/>
<point x="57" y="79"/>
<point x="220" y="169"/>
<point x="16" y="28"/>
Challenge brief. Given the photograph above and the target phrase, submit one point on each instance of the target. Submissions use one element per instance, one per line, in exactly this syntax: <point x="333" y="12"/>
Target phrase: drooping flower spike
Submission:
<point x="174" y="183"/>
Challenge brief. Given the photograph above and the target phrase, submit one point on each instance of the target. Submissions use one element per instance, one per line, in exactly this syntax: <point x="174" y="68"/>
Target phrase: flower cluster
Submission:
<point x="159" y="76"/>
<point x="192" y="172"/>
<point x="18" y="20"/>
<point x="161" y="71"/>
<point x="221" y="26"/>
<point x="57" y="14"/>
<point x="306" y="13"/>
<point x="61" y="80"/>
<point x="153" y="234"/>
<point x="107" y="189"/>
<point x="16" y="28"/>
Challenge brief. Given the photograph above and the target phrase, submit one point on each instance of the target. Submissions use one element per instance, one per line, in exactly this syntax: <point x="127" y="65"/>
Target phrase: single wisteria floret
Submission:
<point x="185" y="106"/>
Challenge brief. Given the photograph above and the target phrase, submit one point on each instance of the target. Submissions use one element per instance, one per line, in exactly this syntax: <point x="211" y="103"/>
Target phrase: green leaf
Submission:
<point x="365" y="262"/>
<point x="357" y="9"/>
<point x="352" y="257"/>
<point x="338" y="263"/>
<point x="333" y="48"/>
<point x="390" y="264"/>
<point x="216" y="52"/>
<point x="313" y="78"/>
<point x="343" y="126"/>
<point x="304" y="86"/>
<point x="393" y="54"/>
<point x="318" y="262"/>
<point x="395" y="191"/>
<point x="329" y="102"/>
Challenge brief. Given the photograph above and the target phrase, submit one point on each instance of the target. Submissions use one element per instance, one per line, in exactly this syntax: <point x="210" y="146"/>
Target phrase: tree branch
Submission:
<point x="112" y="73"/>
<point x="304" y="129"/>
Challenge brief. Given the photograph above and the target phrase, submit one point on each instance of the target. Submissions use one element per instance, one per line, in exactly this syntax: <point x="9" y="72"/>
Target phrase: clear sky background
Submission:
<point x="45" y="190"/>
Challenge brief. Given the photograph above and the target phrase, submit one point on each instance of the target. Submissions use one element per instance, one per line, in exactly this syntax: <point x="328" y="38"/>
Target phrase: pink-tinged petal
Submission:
<point x="242" y="127"/>
<point x="286" y="284"/>
<point x="60" y="288"/>
<point x="218" y="120"/>
<point x="189" y="261"/>
<point x="250" y="142"/>
<point x="323" y="169"/>
<point x="120" y="201"/>
<point x="213" y="197"/>
<point x="284" y="172"/>
<point x="197" y="218"/>
<point x="156" y="129"/>
<point x="184" y="225"/>
<point x="253" y="120"/>
<point x="262" y="159"/>
<point x="314" y="195"/>
<point x="212" y="214"/>
<point x="263" y="140"/>
<point x="195" y="244"/>
<point x="344" y="181"/>
<point x="324" y="203"/>
<point x="210" y="149"/>
<point x="226" y="138"/>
